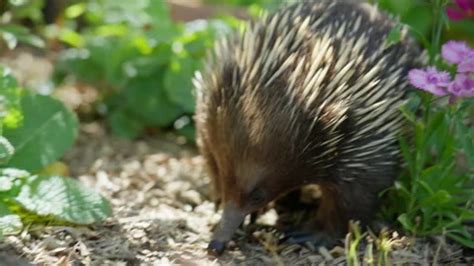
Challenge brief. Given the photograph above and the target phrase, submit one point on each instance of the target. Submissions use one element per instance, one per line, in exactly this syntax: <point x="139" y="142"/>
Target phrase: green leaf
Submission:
<point x="10" y="95"/>
<point x="13" y="33"/>
<point x="6" y="150"/>
<point x="397" y="6"/>
<point x="71" y="37"/>
<point x="48" y="130"/>
<point x="11" y="180"/>
<point x="405" y="221"/>
<point x="439" y="198"/>
<point x="420" y="19"/>
<point x="63" y="198"/>
<point x="74" y="11"/>
<point x="146" y="100"/>
<point x="394" y="36"/>
<point x="178" y="83"/>
<point x="9" y="223"/>
<point x="125" y="125"/>
<point x="407" y="113"/>
<point x="465" y="241"/>
<point x="188" y="131"/>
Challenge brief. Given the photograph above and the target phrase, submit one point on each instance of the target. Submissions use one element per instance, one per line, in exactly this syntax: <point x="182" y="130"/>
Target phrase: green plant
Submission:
<point x="35" y="130"/>
<point x="11" y="32"/>
<point x="434" y="195"/>
<point x="140" y="61"/>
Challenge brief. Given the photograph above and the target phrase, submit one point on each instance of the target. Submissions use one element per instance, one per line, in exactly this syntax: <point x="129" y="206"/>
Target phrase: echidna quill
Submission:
<point x="307" y="95"/>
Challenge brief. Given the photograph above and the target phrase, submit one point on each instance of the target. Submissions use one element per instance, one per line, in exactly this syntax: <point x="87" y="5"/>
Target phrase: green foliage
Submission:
<point x="140" y="61"/>
<point x="38" y="133"/>
<point x="434" y="194"/>
<point x="421" y="15"/>
<point x="6" y="150"/>
<point x="63" y="198"/>
<point x="48" y="129"/>
<point x="11" y="33"/>
<point x="25" y="9"/>
<point x="10" y="94"/>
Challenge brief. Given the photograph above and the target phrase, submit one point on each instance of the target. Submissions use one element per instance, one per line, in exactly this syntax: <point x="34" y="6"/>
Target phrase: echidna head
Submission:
<point x="249" y="185"/>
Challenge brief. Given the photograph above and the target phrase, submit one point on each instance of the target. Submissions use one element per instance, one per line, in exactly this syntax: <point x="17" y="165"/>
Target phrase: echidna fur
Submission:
<point x="307" y="95"/>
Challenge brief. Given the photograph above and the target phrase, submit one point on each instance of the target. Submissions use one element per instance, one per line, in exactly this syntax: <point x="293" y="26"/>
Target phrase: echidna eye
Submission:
<point x="257" y="196"/>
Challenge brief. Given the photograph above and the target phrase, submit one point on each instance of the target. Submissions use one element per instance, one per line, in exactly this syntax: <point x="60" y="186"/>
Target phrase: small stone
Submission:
<point x="191" y="196"/>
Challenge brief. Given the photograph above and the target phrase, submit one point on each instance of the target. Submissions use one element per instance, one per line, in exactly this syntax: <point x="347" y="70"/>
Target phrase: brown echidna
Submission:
<point x="307" y="95"/>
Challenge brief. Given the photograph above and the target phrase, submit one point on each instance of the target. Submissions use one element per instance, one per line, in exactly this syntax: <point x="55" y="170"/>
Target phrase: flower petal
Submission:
<point x="466" y="65"/>
<point x="439" y="78"/>
<point x="435" y="90"/>
<point x="463" y="4"/>
<point x="462" y="86"/>
<point x="455" y="14"/>
<point x="417" y="78"/>
<point x="455" y="51"/>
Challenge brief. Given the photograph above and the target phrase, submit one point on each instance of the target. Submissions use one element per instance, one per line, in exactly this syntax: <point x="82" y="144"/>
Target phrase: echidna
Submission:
<point x="307" y="95"/>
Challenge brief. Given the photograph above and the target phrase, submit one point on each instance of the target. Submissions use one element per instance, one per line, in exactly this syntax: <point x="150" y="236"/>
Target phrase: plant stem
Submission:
<point x="437" y="28"/>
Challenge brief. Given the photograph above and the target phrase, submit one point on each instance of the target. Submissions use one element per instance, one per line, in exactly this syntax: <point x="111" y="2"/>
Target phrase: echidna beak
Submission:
<point x="231" y="219"/>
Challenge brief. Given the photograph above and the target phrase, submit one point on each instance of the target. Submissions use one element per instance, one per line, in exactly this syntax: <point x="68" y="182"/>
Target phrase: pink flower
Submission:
<point x="463" y="9"/>
<point x="466" y="65"/>
<point x="462" y="86"/>
<point x="456" y="51"/>
<point x="430" y="80"/>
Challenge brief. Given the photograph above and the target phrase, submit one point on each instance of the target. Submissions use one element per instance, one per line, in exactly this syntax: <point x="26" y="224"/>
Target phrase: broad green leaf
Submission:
<point x="71" y="37"/>
<point x="125" y="125"/>
<point x="419" y="19"/>
<point x="14" y="173"/>
<point x="64" y="198"/>
<point x="48" y="130"/>
<point x="6" y="150"/>
<point x="178" y="83"/>
<point x="394" y="35"/>
<point x="5" y="183"/>
<point x="186" y="129"/>
<point x="10" y="94"/>
<point x="397" y="6"/>
<point x="74" y="11"/>
<point x="10" y="224"/>
<point x="11" y="180"/>
<point x="146" y="100"/>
